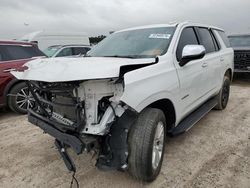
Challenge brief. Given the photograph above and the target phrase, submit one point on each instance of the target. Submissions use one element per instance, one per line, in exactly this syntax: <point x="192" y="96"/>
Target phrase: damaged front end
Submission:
<point x="84" y="115"/>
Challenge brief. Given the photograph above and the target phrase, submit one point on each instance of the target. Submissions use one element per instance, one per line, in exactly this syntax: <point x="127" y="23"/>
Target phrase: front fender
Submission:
<point x="144" y="86"/>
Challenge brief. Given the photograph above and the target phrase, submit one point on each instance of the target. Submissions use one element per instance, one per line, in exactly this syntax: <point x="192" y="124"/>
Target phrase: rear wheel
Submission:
<point x="146" y="144"/>
<point x="223" y="96"/>
<point x="20" y="99"/>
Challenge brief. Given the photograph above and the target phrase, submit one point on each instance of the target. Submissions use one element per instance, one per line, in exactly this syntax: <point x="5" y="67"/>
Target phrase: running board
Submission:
<point x="193" y="118"/>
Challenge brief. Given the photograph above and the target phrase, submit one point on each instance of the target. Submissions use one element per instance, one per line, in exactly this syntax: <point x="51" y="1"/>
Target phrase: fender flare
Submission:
<point x="147" y="101"/>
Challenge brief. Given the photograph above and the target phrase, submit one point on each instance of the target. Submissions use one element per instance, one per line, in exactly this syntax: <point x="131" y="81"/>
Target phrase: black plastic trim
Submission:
<point x="193" y="118"/>
<point x="73" y="141"/>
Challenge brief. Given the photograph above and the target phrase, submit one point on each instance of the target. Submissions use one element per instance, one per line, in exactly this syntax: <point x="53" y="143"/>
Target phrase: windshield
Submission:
<point x="240" y="41"/>
<point x="51" y="51"/>
<point x="141" y="43"/>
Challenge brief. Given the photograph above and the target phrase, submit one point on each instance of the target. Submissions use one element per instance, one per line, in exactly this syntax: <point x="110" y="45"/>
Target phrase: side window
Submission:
<point x="187" y="37"/>
<point x="224" y="38"/>
<point x="79" y="51"/>
<point x="65" y="52"/>
<point x="216" y="42"/>
<point x="12" y="52"/>
<point x="3" y="55"/>
<point x="87" y="49"/>
<point x="206" y="40"/>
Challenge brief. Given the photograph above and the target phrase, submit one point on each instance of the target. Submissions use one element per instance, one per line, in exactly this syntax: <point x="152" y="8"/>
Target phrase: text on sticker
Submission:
<point x="159" y="36"/>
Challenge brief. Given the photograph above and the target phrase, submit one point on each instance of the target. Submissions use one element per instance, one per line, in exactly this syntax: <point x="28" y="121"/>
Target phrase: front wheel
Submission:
<point x="146" y="145"/>
<point x="223" y="96"/>
<point x="20" y="99"/>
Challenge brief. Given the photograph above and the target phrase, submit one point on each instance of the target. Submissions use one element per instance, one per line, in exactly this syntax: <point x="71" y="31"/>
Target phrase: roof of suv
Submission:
<point x="70" y="45"/>
<point x="171" y="25"/>
<point x="13" y="42"/>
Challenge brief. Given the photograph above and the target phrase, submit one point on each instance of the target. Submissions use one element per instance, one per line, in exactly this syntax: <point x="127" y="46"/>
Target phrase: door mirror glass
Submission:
<point x="192" y="52"/>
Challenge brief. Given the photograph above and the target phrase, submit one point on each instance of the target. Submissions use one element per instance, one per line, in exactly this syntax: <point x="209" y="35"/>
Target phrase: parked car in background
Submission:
<point x="66" y="50"/>
<point x="130" y="91"/>
<point x="241" y="46"/>
<point x="46" y="39"/>
<point x="13" y="92"/>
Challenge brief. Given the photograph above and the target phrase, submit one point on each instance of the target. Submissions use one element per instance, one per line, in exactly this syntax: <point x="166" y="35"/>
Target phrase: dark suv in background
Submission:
<point x="14" y="93"/>
<point x="241" y="46"/>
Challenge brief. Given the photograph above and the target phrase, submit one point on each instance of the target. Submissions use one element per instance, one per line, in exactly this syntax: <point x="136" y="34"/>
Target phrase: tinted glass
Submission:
<point x="20" y="52"/>
<point x="140" y="43"/>
<point x="188" y="37"/>
<point x="240" y="41"/>
<point x="79" y="51"/>
<point x="224" y="38"/>
<point x="216" y="42"/>
<point x="65" y="52"/>
<point x="52" y="50"/>
<point x="207" y="40"/>
<point x="1" y="56"/>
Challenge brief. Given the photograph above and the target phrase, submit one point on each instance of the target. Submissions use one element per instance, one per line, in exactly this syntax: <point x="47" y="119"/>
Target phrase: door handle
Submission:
<point x="204" y="65"/>
<point x="221" y="59"/>
<point x="9" y="70"/>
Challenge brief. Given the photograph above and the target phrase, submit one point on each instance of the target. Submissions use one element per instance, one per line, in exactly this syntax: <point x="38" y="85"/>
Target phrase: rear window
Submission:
<point x="11" y="52"/>
<point x="224" y="38"/>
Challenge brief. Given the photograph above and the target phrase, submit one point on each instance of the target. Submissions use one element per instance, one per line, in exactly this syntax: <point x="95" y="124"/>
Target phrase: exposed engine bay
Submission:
<point x="84" y="115"/>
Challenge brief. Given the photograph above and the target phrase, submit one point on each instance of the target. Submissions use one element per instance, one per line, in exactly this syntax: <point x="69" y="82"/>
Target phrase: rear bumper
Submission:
<point x="71" y="140"/>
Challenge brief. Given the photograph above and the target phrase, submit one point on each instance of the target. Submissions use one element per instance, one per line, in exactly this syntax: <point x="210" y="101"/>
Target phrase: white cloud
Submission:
<point x="99" y="16"/>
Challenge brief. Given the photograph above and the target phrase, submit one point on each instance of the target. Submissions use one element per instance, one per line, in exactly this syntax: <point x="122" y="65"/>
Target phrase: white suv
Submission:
<point x="134" y="88"/>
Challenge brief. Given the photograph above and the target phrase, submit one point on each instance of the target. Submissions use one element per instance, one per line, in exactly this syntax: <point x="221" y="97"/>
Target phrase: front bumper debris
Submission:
<point x="71" y="140"/>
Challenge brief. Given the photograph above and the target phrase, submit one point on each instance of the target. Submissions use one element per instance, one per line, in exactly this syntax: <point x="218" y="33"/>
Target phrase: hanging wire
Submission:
<point x="74" y="179"/>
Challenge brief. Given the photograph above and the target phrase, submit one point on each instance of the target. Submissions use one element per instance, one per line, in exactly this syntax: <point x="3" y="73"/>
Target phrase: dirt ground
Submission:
<point x="214" y="153"/>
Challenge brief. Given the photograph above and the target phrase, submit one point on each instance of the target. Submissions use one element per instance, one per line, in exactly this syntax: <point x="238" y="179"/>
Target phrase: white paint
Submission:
<point x="186" y="87"/>
<point x="47" y="39"/>
<point x="191" y="50"/>
<point x="71" y="69"/>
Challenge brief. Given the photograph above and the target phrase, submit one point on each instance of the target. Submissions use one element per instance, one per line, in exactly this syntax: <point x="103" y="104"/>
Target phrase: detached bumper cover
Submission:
<point x="73" y="141"/>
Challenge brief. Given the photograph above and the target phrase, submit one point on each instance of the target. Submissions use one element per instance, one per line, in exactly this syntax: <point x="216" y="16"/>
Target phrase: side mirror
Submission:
<point x="192" y="52"/>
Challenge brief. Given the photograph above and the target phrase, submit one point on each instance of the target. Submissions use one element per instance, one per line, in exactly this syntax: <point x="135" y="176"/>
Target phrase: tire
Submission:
<point x="19" y="98"/>
<point x="223" y="96"/>
<point x="142" y="141"/>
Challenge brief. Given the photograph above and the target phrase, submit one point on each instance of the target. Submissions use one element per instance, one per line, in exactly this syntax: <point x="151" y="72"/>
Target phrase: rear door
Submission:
<point x="212" y="61"/>
<point x="12" y="57"/>
<point x="6" y="65"/>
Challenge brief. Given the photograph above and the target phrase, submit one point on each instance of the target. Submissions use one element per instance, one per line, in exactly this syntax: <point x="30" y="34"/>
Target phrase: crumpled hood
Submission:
<point x="72" y="69"/>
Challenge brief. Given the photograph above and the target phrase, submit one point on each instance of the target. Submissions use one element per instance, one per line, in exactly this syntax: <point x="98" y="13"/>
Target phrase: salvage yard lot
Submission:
<point x="214" y="153"/>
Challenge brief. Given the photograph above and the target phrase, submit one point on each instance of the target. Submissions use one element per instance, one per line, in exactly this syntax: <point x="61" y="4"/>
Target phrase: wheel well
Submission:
<point x="9" y="87"/>
<point x="168" y="109"/>
<point x="229" y="74"/>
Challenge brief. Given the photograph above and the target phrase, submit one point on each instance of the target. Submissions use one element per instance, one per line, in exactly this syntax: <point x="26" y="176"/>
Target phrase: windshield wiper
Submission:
<point x="126" y="56"/>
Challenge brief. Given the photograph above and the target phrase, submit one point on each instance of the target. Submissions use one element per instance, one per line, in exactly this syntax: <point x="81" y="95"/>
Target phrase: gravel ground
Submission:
<point x="214" y="153"/>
